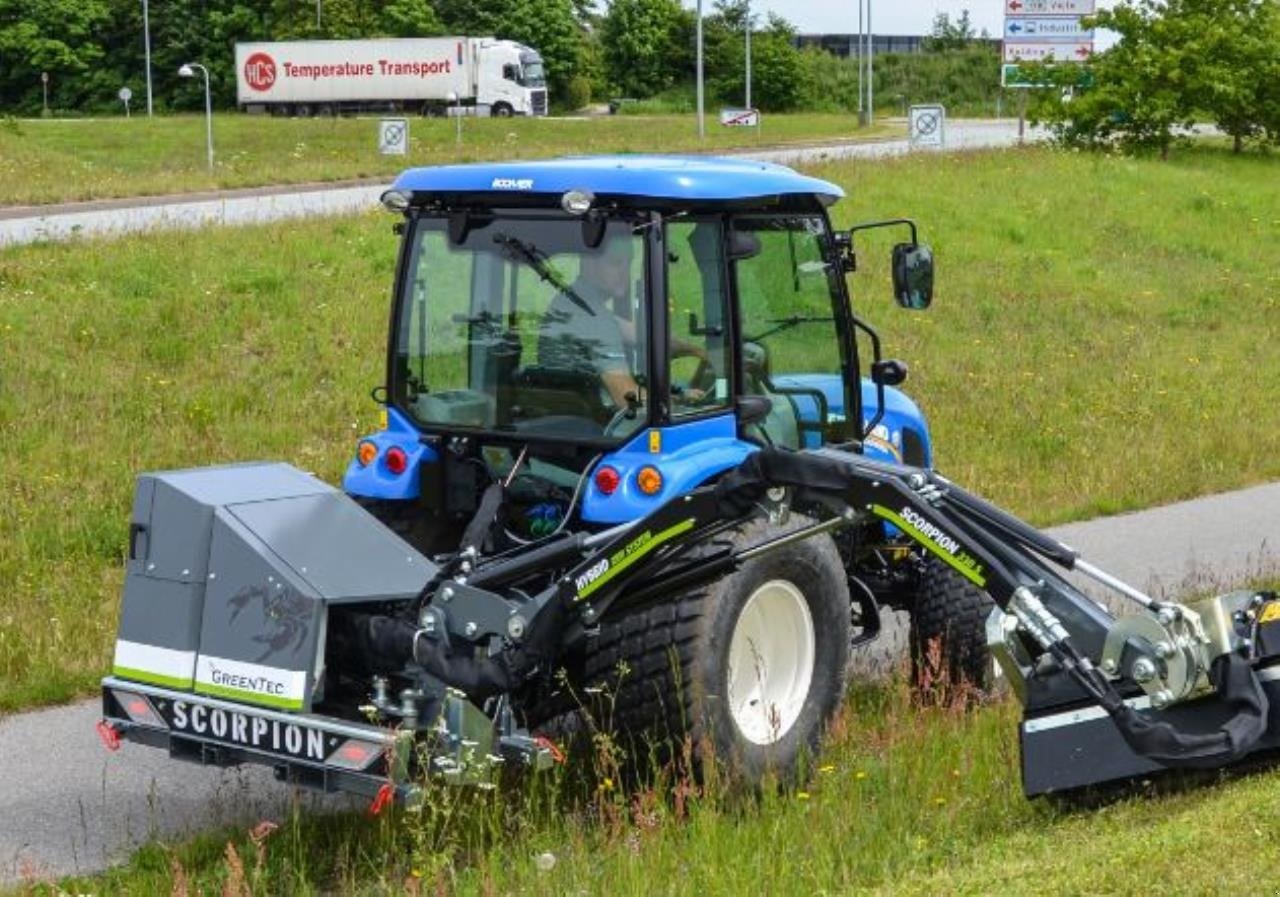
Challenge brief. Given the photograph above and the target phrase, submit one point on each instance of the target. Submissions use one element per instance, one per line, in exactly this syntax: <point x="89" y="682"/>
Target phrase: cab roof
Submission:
<point x="690" y="178"/>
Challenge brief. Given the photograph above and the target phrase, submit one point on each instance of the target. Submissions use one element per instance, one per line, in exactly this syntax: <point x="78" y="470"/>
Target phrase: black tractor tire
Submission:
<point x="663" y="668"/>
<point x="947" y="636"/>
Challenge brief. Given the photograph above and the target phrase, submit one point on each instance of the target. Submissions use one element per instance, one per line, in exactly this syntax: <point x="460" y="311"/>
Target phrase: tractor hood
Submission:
<point x="230" y="573"/>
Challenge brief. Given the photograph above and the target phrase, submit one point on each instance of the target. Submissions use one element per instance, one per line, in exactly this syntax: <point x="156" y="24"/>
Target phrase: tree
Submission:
<point x="637" y="37"/>
<point x="55" y="36"/>
<point x="947" y="35"/>
<point x="1176" y="61"/>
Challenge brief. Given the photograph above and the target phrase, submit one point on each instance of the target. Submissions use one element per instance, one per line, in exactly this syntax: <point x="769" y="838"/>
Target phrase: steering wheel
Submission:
<point x="624" y="422"/>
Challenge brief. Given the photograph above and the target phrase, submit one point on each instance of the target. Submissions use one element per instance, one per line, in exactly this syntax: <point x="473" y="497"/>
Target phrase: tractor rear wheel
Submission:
<point x="947" y="636"/>
<point x="750" y="666"/>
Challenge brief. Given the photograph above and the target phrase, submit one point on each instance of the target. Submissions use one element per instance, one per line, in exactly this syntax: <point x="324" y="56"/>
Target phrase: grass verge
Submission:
<point x="67" y="160"/>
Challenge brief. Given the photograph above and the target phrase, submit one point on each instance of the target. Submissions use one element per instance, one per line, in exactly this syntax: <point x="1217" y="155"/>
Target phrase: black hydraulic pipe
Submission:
<point x="560" y="550"/>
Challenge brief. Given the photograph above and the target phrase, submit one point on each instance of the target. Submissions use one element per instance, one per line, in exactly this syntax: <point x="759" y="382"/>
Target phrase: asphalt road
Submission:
<point x="30" y="224"/>
<point x="67" y="805"/>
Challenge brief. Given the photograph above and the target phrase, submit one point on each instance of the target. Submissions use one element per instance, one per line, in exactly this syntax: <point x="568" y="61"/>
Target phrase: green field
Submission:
<point x="1102" y="339"/>
<point x="66" y="160"/>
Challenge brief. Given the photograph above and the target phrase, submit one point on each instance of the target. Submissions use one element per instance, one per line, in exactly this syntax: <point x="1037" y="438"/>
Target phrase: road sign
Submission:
<point x="1049" y="7"/>
<point x="393" y="136"/>
<point x="1011" y="76"/>
<point x="125" y="96"/>
<point x="926" y="125"/>
<point x="1046" y="51"/>
<point x="740" y="118"/>
<point x="1045" y="28"/>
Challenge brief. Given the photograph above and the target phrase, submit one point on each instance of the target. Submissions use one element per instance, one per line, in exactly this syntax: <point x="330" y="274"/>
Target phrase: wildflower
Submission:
<point x="545" y="861"/>
<point x="860" y="774"/>
<point x="802" y="795"/>
<point x="827" y="768"/>
<point x="940" y="801"/>
<point x="262" y="831"/>
<point x="606" y="784"/>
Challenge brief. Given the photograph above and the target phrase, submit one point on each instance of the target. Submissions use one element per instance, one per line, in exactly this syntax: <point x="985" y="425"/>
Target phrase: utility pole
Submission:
<point x="146" y="47"/>
<point x="317" y="15"/>
<point x="702" y="124"/>
<point x="871" y="75"/>
<point x="862" y="112"/>
<point x="747" y="24"/>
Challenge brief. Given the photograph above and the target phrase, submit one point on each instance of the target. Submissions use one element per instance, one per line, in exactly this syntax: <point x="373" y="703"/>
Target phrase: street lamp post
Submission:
<point x="187" y="71"/>
<point x="747" y="23"/>
<point x="702" y="124"/>
<point x="146" y="47"/>
<point x="871" y="74"/>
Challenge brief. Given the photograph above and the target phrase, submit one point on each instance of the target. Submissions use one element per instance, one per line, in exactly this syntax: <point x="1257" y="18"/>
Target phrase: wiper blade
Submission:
<point x="537" y="260"/>
<point x="787" y="323"/>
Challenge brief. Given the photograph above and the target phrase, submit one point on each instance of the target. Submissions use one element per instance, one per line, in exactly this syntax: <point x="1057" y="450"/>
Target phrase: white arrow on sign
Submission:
<point x="1050" y="28"/>
<point x="1050" y="7"/>
<point x="1041" y="52"/>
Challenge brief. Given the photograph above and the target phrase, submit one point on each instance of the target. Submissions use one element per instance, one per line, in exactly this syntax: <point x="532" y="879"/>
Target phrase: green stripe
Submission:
<point x="248" y="697"/>
<point x="972" y="575"/>
<point x="151" y="678"/>
<point x="615" y="568"/>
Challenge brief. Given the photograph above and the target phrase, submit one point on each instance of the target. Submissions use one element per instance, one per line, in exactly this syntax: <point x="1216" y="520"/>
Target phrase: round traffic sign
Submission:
<point x="125" y="94"/>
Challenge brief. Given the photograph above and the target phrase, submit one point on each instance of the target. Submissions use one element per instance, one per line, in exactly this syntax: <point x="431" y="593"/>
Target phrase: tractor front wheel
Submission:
<point x="751" y="667"/>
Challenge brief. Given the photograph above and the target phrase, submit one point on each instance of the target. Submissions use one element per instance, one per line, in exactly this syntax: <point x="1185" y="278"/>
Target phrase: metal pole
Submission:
<point x="861" y="56"/>
<point x="44" y="82"/>
<point x="702" y="125"/>
<point x="208" y="117"/>
<point x="747" y="25"/>
<point x="871" y="73"/>
<point x="146" y="48"/>
<point x="317" y="15"/>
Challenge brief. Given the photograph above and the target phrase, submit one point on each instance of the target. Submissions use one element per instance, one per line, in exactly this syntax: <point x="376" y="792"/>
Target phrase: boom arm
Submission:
<point x="1173" y="651"/>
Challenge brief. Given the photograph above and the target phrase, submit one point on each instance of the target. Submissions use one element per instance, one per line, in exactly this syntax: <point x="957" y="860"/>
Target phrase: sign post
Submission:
<point x="926" y="125"/>
<point x="1042" y="31"/>
<point x="393" y="136"/>
<point x="44" y="82"/>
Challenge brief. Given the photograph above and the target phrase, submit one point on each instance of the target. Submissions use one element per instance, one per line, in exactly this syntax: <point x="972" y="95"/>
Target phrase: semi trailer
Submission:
<point x="479" y="74"/>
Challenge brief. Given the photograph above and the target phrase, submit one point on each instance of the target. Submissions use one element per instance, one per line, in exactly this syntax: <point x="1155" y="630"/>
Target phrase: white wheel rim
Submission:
<point x="771" y="657"/>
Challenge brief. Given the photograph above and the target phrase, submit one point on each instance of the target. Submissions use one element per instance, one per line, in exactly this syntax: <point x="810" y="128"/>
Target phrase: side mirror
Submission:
<point x="913" y="275"/>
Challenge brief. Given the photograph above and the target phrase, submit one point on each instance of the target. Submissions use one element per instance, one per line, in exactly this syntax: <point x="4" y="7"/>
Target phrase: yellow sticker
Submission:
<point x="1270" y="613"/>
<point x="655" y="442"/>
<point x="382" y="419"/>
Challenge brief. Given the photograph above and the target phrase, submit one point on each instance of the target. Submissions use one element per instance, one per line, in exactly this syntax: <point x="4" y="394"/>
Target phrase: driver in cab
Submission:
<point x="586" y="329"/>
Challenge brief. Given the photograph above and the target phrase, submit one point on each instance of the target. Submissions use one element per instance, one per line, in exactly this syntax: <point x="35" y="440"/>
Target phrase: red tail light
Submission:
<point x="396" y="460"/>
<point x="607" y="480"/>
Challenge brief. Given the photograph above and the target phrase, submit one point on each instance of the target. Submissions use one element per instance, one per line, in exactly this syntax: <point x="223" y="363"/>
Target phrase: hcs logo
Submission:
<point x="260" y="71"/>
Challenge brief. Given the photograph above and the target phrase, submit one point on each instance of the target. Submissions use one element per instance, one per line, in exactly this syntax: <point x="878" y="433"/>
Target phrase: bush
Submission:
<point x="578" y="93"/>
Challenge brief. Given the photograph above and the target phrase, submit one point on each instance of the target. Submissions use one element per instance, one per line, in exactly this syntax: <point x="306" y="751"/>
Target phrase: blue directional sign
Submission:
<point x="1046" y="28"/>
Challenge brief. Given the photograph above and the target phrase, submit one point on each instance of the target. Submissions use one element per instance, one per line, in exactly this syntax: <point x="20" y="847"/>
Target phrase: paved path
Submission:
<point x="66" y="805"/>
<point x="28" y="224"/>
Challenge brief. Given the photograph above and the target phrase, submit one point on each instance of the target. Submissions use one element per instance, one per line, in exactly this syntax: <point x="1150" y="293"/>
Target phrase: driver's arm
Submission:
<point x="619" y="382"/>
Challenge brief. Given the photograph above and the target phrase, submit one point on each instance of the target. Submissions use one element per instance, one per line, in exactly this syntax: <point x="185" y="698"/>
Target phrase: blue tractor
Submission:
<point x="629" y="451"/>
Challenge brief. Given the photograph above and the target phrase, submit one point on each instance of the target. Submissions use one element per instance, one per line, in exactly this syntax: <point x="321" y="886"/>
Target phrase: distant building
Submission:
<point x="847" y="44"/>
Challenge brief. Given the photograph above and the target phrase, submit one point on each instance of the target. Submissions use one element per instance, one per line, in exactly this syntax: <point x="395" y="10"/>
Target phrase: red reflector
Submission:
<point x="397" y="461"/>
<point x="607" y="480"/>
<point x="108" y="735"/>
<point x="138" y="707"/>
<point x="381" y="799"/>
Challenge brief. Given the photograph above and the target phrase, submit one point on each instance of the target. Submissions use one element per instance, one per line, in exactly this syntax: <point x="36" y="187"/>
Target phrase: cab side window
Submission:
<point x="790" y="346"/>
<point x="697" y="324"/>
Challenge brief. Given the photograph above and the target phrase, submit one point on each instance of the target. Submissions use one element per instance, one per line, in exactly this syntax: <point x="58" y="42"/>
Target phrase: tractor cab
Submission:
<point x="601" y="334"/>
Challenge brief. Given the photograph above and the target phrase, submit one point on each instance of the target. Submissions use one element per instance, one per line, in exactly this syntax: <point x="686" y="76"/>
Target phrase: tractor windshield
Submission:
<point x="516" y="325"/>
